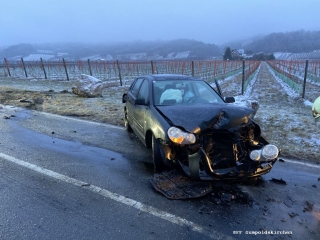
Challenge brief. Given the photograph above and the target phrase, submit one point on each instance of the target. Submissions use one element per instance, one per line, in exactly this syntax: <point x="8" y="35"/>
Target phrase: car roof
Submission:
<point x="164" y="77"/>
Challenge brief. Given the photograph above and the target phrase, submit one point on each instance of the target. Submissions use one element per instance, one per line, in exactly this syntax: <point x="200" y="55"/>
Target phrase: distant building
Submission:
<point x="241" y="51"/>
<point x="235" y="53"/>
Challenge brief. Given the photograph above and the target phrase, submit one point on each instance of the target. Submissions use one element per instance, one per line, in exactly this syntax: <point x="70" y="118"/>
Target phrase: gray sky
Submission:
<point x="95" y="21"/>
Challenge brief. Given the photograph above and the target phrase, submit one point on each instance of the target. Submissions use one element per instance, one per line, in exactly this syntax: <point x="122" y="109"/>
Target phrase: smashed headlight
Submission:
<point x="178" y="136"/>
<point x="255" y="155"/>
<point x="268" y="152"/>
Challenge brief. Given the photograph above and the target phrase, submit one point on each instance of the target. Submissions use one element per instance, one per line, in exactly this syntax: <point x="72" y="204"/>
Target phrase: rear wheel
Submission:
<point x="157" y="156"/>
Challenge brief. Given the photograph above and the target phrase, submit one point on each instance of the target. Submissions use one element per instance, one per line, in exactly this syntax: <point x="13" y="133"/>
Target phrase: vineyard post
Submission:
<point x="243" y="68"/>
<point x="192" y="68"/>
<point x="119" y="73"/>
<point x="24" y="68"/>
<point x="44" y="70"/>
<point x="7" y="65"/>
<point x="305" y="79"/>
<point x="89" y="67"/>
<point x="152" y="67"/>
<point x="65" y="68"/>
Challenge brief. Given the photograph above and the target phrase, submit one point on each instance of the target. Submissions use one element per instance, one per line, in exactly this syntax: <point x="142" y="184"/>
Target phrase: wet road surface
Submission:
<point x="60" y="199"/>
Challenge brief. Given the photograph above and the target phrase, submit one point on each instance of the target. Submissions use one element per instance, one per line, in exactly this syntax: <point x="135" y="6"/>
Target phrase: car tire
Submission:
<point x="159" y="165"/>
<point x="126" y="123"/>
<point x="127" y="126"/>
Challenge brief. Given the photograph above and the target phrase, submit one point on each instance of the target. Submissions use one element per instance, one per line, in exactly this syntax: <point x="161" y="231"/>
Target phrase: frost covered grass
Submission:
<point x="284" y="117"/>
<point x="106" y="109"/>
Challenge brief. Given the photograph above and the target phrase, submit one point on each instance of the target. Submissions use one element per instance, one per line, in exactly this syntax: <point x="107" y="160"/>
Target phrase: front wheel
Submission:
<point x="157" y="156"/>
<point x="126" y="123"/>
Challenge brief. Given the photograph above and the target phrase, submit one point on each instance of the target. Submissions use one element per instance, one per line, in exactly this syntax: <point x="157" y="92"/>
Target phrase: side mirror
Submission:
<point x="140" y="101"/>
<point x="229" y="99"/>
<point x="124" y="98"/>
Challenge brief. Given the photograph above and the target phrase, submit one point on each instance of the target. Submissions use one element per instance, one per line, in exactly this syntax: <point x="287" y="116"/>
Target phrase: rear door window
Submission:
<point x="144" y="91"/>
<point x="135" y="88"/>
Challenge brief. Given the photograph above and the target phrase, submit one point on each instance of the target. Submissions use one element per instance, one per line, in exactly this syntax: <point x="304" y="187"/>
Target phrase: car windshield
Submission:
<point x="174" y="92"/>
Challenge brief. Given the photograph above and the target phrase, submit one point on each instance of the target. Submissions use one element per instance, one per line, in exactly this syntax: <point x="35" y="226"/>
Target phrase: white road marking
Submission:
<point x="302" y="163"/>
<point x="119" y="198"/>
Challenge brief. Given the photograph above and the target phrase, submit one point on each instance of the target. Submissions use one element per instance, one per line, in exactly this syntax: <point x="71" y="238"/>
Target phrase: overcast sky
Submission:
<point x="95" y="21"/>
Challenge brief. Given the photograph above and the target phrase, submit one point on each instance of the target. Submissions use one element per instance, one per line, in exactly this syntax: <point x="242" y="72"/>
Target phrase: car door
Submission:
<point x="141" y="108"/>
<point x="136" y="111"/>
<point x="131" y="97"/>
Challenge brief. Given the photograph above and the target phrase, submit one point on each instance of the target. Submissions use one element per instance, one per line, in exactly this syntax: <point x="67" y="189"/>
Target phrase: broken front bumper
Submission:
<point x="248" y="169"/>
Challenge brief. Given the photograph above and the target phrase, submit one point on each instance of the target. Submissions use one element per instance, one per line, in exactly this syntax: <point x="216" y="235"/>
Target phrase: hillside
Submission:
<point x="138" y="50"/>
<point x="293" y="42"/>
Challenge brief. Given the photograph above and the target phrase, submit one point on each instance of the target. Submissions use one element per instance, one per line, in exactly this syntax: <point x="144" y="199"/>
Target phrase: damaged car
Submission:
<point x="186" y="122"/>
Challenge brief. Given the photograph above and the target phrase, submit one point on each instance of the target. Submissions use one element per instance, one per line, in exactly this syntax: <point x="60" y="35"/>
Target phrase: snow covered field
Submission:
<point x="285" y="118"/>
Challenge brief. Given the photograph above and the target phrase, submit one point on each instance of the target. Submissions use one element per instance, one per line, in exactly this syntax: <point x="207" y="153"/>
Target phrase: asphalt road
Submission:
<point x="63" y="178"/>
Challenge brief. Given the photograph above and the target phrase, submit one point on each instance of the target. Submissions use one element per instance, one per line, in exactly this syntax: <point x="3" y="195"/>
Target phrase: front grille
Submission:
<point x="225" y="147"/>
<point x="218" y="146"/>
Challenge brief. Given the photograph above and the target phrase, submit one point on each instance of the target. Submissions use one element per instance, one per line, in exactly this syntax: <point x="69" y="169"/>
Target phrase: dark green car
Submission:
<point x="186" y="122"/>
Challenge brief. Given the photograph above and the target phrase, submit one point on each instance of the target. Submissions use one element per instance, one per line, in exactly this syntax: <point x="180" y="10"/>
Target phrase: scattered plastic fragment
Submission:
<point x="279" y="181"/>
<point x="292" y="215"/>
<point x="309" y="207"/>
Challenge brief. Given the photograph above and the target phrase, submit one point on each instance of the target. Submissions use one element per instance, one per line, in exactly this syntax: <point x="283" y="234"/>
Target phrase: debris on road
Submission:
<point x="292" y="215"/>
<point x="177" y="186"/>
<point x="174" y="185"/>
<point x="26" y="101"/>
<point x="309" y="207"/>
<point x="8" y="117"/>
<point x="32" y="101"/>
<point x="279" y="181"/>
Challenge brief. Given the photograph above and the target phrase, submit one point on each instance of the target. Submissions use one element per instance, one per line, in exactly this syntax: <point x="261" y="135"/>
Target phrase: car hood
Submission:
<point x="199" y="117"/>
